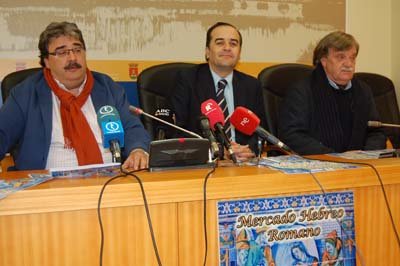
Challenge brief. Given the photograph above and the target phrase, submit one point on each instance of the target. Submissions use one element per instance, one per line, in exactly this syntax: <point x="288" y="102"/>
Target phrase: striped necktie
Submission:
<point x="222" y="103"/>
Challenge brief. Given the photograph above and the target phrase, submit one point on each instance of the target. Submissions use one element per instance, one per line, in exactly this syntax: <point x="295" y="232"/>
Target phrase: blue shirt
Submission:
<point x="336" y="87"/>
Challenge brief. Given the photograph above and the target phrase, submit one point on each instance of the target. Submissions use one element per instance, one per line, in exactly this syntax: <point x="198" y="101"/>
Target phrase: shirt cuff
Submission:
<point x="140" y="149"/>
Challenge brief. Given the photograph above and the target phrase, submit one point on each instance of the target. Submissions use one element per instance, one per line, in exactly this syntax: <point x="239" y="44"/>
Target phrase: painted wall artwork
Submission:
<point x="123" y="37"/>
<point x="312" y="229"/>
<point x="171" y="30"/>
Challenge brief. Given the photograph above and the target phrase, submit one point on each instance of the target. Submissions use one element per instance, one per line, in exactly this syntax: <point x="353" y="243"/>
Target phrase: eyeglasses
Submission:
<point x="64" y="52"/>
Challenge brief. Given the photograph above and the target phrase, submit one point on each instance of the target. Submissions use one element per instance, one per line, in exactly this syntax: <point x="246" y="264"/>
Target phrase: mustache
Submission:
<point x="72" y="65"/>
<point x="347" y="69"/>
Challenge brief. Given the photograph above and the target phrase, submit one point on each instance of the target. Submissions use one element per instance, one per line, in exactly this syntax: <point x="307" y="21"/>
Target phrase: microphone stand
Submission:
<point x="380" y="124"/>
<point x="115" y="151"/>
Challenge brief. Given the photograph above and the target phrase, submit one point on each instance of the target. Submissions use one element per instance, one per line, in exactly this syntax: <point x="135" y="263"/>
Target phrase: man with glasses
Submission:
<point x="51" y="116"/>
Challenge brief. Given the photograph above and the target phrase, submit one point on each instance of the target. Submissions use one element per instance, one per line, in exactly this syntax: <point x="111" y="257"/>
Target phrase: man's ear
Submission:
<point x="323" y="61"/>
<point x="207" y="52"/>
<point x="46" y="62"/>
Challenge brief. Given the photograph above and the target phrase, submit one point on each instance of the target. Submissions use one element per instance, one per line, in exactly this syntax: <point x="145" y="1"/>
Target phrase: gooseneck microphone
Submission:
<point x="380" y="124"/>
<point x="216" y="117"/>
<point x="207" y="133"/>
<point x="247" y="122"/>
<point x="111" y="130"/>
<point x="138" y="111"/>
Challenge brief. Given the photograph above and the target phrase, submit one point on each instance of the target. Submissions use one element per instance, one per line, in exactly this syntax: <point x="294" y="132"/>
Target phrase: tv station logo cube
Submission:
<point x="112" y="130"/>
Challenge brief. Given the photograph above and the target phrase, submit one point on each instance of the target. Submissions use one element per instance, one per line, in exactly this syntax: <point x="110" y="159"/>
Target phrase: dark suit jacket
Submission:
<point x="196" y="85"/>
<point x="26" y="119"/>
<point x="303" y="117"/>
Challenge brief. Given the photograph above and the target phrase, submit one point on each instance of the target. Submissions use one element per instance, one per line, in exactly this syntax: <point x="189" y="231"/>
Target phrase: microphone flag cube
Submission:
<point x="244" y="120"/>
<point x="112" y="130"/>
<point x="110" y="125"/>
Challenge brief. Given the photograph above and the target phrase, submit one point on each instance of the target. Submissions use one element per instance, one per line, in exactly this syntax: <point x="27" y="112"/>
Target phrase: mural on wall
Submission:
<point x="170" y="30"/>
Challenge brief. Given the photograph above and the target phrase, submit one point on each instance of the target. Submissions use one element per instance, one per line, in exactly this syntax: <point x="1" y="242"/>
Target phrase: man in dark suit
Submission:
<point x="328" y="111"/>
<point x="200" y="83"/>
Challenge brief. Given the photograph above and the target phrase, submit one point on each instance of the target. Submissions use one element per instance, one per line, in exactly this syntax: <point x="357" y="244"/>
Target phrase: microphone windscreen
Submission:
<point x="244" y="120"/>
<point x="110" y="125"/>
<point x="134" y="110"/>
<point x="213" y="111"/>
<point x="204" y="123"/>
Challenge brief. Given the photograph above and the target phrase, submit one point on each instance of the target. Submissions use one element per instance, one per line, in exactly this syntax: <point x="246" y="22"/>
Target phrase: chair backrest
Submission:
<point x="386" y="103"/>
<point x="14" y="78"/>
<point x="9" y="82"/>
<point x="155" y="85"/>
<point x="275" y="81"/>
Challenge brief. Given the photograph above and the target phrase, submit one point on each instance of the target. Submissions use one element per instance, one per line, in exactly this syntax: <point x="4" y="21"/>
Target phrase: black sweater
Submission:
<point x="316" y="119"/>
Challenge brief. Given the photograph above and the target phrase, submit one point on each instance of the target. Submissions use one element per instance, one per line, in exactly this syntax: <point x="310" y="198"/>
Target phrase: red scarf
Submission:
<point x="76" y="129"/>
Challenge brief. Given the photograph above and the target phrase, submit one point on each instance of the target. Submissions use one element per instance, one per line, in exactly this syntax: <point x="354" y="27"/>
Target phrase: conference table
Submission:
<point x="56" y="223"/>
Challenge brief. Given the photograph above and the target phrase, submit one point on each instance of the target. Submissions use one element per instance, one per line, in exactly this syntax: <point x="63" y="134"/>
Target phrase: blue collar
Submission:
<point x="217" y="78"/>
<point x="336" y="87"/>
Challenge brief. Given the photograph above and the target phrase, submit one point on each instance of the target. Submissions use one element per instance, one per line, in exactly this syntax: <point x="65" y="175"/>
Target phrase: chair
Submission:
<point x="275" y="81"/>
<point x="155" y="85"/>
<point x="386" y="103"/>
<point x="9" y="82"/>
<point x="14" y="78"/>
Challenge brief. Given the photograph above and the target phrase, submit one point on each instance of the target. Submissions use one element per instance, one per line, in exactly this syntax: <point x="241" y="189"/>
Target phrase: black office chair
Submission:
<point x="155" y="85"/>
<point x="275" y="81"/>
<point x="14" y="78"/>
<point x="9" y="82"/>
<point x="385" y="101"/>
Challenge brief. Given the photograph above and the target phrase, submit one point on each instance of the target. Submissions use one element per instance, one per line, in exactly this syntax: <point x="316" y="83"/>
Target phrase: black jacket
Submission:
<point x="195" y="85"/>
<point x="311" y="123"/>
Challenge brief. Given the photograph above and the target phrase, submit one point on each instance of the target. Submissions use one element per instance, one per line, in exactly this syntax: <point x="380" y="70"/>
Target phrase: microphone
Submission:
<point x="138" y="111"/>
<point x="112" y="131"/>
<point x="380" y="124"/>
<point x="247" y="122"/>
<point x="207" y="133"/>
<point x="162" y="131"/>
<point x="216" y="117"/>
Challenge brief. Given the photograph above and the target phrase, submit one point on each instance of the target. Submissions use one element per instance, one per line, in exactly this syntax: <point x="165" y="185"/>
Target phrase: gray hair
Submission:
<point x="337" y="40"/>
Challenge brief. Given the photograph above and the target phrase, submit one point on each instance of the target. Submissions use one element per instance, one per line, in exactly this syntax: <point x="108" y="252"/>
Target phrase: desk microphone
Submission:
<point x="380" y="124"/>
<point x="216" y="117"/>
<point x="112" y="131"/>
<point x="247" y="122"/>
<point x="138" y="111"/>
